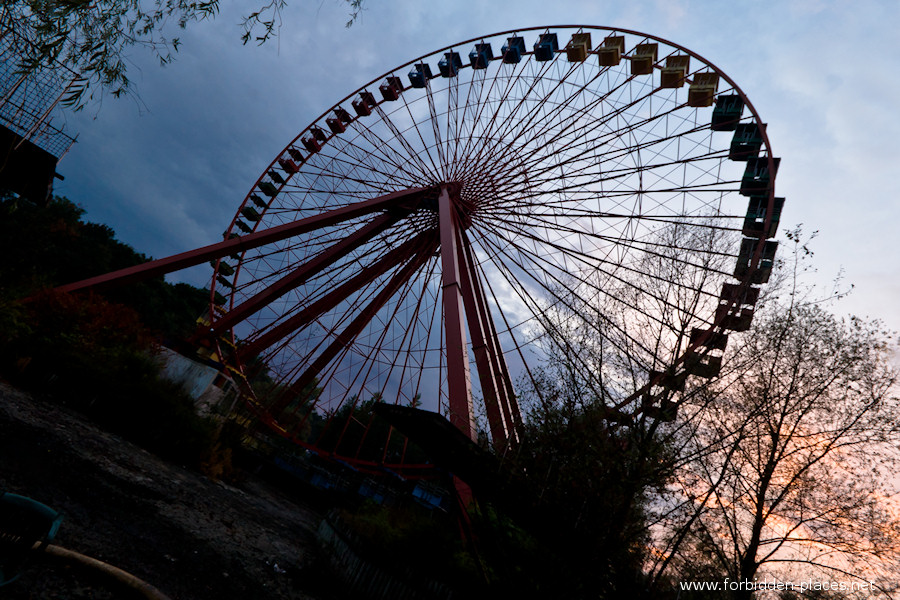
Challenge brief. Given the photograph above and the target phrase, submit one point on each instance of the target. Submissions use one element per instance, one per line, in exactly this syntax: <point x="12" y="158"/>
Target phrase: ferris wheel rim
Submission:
<point x="318" y="123"/>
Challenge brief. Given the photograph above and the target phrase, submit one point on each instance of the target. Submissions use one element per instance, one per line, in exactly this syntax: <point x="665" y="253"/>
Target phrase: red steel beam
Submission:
<point x="459" y="385"/>
<point x="298" y="276"/>
<point x="510" y="405"/>
<point x="242" y="243"/>
<point x="496" y="386"/>
<point x="335" y="297"/>
<point x="491" y="387"/>
<point x="346" y="337"/>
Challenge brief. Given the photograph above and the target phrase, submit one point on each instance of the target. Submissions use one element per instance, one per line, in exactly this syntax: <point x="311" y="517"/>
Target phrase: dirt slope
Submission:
<point x="190" y="537"/>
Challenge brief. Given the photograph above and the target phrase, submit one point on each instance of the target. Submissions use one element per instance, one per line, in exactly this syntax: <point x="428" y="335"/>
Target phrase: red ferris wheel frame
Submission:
<point x="464" y="298"/>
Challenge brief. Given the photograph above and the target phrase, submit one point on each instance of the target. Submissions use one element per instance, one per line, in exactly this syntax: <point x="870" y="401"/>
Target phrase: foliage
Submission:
<point x="784" y="463"/>
<point x="406" y="536"/>
<point x="86" y="42"/>
<point x="94" y="353"/>
<point x="49" y="246"/>
<point x="262" y="24"/>
<point x="589" y="482"/>
<point x="779" y="466"/>
<point x="792" y="454"/>
<point x="96" y="356"/>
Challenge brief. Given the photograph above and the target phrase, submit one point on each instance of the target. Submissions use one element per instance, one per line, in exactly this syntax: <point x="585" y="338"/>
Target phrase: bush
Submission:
<point x="98" y="358"/>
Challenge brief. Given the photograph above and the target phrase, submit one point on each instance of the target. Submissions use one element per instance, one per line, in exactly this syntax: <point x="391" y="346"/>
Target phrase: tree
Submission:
<point x="591" y="471"/>
<point x="788" y="471"/>
<point x="48" y="246"/>
<point x="781" y="465"/>
<point x="86" y="41"/>
<point x="588" y="483"/>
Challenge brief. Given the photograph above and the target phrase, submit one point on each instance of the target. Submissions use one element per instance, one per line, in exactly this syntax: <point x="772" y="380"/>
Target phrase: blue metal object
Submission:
<point x="513" y="50"/>
<point x="23" y="523"/>
<point x="481" y="56"/>
<point x="450" y="65"/>
<point x="546" y="47"/>
<point x="420" y="75"/>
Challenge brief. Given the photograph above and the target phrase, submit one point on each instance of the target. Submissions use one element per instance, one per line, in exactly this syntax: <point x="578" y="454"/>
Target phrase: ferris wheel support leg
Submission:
<point x="419" y="244"/>
<point x="492" y="372"/>
<point x="404" y="199"/>
<point x="459" y="385"/>
<point x="299" y="275"/>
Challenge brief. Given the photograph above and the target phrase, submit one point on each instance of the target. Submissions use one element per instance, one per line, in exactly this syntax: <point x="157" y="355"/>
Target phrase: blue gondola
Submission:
<point x="546" y="47"/>
<point x="450" y="65"/>
<point x="420" y="75"/>
<point x="481" y="56"/>
<point x="513" y="50"/>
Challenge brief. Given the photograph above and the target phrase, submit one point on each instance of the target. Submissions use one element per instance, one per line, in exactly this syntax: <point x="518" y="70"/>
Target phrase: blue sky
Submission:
<point x="169" y="168"/>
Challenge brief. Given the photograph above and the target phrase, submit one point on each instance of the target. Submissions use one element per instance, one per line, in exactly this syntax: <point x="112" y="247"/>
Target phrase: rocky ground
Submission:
<point x="190" y="537"/>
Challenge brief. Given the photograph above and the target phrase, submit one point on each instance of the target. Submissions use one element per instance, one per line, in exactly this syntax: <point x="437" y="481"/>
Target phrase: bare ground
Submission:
<point x="191" y="537"/>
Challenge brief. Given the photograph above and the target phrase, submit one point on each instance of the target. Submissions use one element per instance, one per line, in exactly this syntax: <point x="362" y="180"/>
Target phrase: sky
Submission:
<point x="168" y="167"/>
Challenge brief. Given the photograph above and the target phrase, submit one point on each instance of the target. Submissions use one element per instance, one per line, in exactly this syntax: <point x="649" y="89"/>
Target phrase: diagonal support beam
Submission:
<point x="502" y="409"/>
<point x="459" y="385"/>
<point x="348" y="335"/>
<point x="336" y="296"/>
<point x="408" y="198"/>
<point x="302" y="273"/>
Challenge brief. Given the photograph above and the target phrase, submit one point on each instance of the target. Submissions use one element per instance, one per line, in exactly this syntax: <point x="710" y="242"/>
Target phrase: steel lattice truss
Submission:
<point x="28" y="98"/>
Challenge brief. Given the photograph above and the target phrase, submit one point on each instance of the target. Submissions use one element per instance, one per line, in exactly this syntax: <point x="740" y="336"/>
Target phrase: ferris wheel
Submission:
<point x="436" y="234"/>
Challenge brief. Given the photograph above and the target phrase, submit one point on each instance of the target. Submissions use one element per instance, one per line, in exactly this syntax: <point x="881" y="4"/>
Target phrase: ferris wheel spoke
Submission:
<point x="533" y="163"/>
<point x="362" y="376"/>
<point x="588" y="213"/>
<point x="270" y="270"/>
<point x="471" y="116"/>
<point x="587" y="260"/>
<point x="406" y="347"/>
<point x="441" y="169"/>
<point x="355" y="177"/>
<point x="375" y="353"/>
<point x="405" y="156"/>
<point x="475" y="149"/>
<point x="555" y="282"/>
<point x="539" y="111"/>
<point x="554" y="224"/>
<point x="545" y="121"/>
<point x="452" y="123"/>
<point x="346" y="337"/>
<point x="711" y="188"/>
<point x="366" y="160"/>
<point x="418" y="157"/>
<point x="364" y="276"/>
<point x="538" y="313"/>
<point x="551" y="288"/>
<point x="509" y="329"/>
